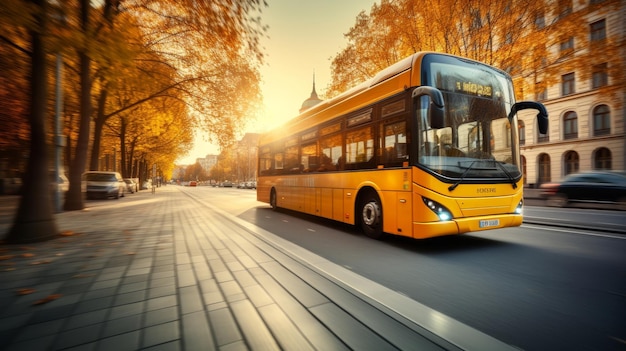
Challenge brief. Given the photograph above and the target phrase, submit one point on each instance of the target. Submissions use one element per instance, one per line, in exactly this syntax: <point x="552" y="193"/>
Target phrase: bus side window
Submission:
<point x="331" y="152"/>
<point x="359" y="148"/>
<point x="394" y="148"/>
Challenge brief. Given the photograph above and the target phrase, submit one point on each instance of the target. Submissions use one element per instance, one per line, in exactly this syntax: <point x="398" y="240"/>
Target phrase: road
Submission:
<point x="537" y="287"/>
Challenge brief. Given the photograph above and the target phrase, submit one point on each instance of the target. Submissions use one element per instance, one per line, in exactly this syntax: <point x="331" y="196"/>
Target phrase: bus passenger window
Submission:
<point x="291" y="160"/>
<point x="359" y="146"/>
<point x="394" y="148"/>
<point x="331" y="153"/>
<point x="278" y="161"/>
<point x="309" y="159"/>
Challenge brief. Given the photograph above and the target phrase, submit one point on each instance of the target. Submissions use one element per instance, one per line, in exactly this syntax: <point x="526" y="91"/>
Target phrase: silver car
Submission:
<point x="100" y="184"/>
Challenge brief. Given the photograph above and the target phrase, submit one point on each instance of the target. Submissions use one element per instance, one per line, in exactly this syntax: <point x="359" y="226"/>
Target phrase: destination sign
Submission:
<point x="474" y="88"/>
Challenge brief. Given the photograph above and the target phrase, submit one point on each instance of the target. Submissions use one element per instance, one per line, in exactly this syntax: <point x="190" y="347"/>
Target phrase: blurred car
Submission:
<point x="226" y="184"/>
<point x="598" y="187"/>
<point x="104" y="184"/>
<point x="193" y="183"/>
<point x="131" y="186"/>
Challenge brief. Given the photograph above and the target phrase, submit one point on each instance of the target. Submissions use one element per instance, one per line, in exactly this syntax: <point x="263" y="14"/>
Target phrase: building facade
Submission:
<point x="587" y="112"/>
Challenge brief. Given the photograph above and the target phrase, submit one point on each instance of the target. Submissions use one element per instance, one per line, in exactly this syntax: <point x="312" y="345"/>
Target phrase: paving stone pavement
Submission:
<point x="166" y="272"/>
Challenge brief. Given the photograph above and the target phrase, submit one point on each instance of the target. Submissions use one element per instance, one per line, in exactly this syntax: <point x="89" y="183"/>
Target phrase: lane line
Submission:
<point x="574" y="231"/>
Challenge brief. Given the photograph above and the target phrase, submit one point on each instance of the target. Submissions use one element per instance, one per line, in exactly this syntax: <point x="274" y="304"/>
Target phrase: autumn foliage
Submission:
<point x="523" y="37"/>
<point x="136" y="78"/>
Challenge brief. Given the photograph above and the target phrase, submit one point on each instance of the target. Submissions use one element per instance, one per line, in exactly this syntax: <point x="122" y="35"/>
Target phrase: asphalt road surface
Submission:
<point x="535" y="287"/>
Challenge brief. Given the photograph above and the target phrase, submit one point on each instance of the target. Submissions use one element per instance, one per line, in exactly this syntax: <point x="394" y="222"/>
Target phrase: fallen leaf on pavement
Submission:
<point x="40" y="262"/>
<point x="47" y="299"/>
<point x="66" y="233"/>
<point x="25" y="291"/>
<point x="28" y="255"/>
<point x="6" y="257"/>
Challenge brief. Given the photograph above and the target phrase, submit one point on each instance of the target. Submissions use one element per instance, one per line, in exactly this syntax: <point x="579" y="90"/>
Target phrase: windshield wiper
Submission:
<point x="513" y="182"/>
<point x="453" y="186"/>
<point x="471" y="165"/>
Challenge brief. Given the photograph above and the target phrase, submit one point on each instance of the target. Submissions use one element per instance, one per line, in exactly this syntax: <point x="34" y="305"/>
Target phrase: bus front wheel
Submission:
<point x="370" y="217"/>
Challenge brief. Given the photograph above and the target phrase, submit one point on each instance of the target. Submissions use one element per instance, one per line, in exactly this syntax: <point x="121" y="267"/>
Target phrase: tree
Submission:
<point x="522" y="37"/>
<point x="34" y="220"/>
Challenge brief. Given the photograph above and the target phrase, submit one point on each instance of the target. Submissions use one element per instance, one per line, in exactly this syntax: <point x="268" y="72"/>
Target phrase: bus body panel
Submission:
<point x="467" y="209"/>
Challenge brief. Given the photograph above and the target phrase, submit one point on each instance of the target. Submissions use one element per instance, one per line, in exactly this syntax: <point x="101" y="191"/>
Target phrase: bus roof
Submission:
<point x="386" y="83"/>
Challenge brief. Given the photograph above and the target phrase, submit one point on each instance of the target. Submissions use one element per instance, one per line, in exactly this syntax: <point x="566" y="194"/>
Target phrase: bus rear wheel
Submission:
<point x="371" y="216"/>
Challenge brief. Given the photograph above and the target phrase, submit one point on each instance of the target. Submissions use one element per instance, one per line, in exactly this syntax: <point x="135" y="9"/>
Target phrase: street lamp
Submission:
<point x="59" y="138"/>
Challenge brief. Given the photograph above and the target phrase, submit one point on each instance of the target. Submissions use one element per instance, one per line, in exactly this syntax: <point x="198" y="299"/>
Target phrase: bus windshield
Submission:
<point x="476" y="140"/>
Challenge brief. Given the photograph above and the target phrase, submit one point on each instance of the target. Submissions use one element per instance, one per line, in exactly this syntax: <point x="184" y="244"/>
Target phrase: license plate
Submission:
<point x="489" y="223"/>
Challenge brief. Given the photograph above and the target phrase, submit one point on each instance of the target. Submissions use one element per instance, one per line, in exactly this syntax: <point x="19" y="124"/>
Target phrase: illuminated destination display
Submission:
<point x="474" y="88"/>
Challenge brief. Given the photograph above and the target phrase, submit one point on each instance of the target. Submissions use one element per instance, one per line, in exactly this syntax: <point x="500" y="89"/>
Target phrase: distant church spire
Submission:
<point x="312" y="100"/>
<point x="313" y="93"/>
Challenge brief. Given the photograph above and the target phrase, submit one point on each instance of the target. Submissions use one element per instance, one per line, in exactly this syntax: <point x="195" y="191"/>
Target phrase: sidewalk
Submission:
<point x="169" y="272"/>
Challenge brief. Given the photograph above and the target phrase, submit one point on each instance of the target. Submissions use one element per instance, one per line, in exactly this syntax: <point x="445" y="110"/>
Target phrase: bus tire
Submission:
<point x="273" y="200"/>
<point x="370" y="215"/>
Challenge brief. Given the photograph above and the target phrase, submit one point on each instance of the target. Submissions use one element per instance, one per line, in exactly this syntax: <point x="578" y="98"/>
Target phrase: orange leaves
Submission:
<point x="28" y="291"/>
<point x="25" y="291"/>
<point x="67" y="233"/>
<point x="47" y="299"/>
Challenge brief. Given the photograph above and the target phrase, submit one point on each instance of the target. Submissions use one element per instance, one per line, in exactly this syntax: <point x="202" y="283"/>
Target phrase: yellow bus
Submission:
<point x="427" y="147"/>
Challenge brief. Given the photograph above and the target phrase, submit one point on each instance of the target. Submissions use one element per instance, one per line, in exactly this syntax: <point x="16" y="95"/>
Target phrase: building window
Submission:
<point x="541" y="91"/>
<point x="601" y="120"/>
<point x="522" y="132"/>
<point x="602" y="158"/>
<point x="567" y="45"/>
<point x="568" y="84"/>
<point x="540" y="21"/>
<point x="600" y="76"/>
<point x="571" y="162"/>
<point x="598" y="30"/>
<point x="570" y="125"/>
<point x="544" y="168"/>
<point x="543" y="138"/>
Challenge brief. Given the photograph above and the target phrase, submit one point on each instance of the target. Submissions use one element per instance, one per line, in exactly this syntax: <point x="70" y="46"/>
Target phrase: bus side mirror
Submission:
<point x="542" y="116"/>
<point x="435" y="110"/>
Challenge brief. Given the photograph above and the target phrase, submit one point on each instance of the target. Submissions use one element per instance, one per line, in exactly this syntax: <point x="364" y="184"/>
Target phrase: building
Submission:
<point x="312" y="100"/>
<point x="246" y="152"/>
<point x="207" y="162"/>
<point x="587" y="110"/>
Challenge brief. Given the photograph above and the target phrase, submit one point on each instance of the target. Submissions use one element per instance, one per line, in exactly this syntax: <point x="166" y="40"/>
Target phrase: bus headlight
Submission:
<point x="520" y="207"/>
<point x="443" y="213"/>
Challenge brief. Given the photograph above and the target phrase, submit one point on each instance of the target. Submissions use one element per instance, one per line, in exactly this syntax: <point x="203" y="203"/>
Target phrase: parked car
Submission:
<point x="147" y="184"/>
<point x="226" y="184"/>
<point x="193" y="183"/>
<point x="598" y="187"/>
<point x="103" y="184"/>
<point x="131" y="186"/>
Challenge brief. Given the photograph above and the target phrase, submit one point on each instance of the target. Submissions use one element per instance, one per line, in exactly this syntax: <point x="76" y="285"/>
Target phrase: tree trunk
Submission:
<point x="97" y="132"/>
<point x="34" y="220"/>
<point x="74" y="198"/>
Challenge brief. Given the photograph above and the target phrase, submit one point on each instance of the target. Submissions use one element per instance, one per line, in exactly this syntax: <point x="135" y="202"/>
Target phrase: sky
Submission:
<point x="303" y="38"/>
